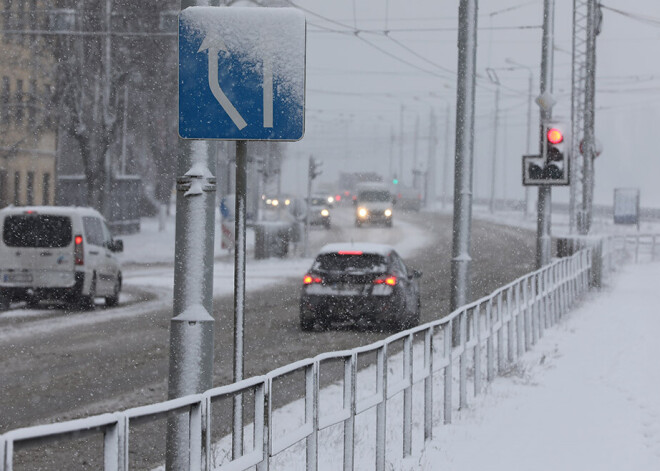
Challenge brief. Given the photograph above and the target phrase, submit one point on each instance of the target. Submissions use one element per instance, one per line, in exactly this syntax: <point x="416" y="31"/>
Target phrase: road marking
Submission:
<point x="214" y="46"/>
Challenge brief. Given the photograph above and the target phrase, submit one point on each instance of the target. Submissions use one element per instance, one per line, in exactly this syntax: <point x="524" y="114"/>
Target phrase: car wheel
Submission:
<point x="327" y="225"/>
<point x="113" y="300"/>
<point x="306" y="323"/>
<point x="4" y="301"/>
<point x="388" y="223"/>
<point x="87" y="301"/>
<point x="358" y="223"/>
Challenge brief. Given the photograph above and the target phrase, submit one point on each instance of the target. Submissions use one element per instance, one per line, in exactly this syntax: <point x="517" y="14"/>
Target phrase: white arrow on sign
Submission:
<point x="214" y="46"/>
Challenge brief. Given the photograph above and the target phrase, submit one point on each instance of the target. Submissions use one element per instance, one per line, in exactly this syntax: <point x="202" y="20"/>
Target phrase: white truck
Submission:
<point x="374" y="204"/>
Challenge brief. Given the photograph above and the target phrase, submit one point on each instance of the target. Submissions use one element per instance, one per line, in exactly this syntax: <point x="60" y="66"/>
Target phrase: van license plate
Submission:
<point x="18" y="278"/>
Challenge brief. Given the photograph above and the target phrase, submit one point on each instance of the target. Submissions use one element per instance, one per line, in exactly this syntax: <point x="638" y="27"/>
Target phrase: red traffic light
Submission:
<point x="555" y="136"/>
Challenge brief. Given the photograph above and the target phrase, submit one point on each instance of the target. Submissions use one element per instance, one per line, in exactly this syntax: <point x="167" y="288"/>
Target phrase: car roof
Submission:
<point x="372" y="186"/>
<point x="55" y="210"/>
<point x="364" y="247"/>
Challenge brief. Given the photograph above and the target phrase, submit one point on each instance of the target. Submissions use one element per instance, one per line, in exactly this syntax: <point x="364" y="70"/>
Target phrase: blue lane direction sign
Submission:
<point x="241" y="73"/>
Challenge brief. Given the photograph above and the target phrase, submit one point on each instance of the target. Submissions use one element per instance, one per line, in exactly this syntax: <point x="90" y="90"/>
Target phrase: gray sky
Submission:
<point x="355" y="90"/>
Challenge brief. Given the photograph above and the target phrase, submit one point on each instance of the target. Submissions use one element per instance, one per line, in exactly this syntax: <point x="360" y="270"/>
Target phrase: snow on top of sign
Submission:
<point x="255" y="34"/>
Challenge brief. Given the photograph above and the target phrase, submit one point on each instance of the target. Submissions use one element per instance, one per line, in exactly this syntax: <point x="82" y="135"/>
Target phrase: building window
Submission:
<point x="30" y="189"/>
<point x="34" y="15"/>
<point x="17" y="188"/>
<point x="32" y="104"/>
<point x="21" y="21"/>
<point x="45" y="189"/>
<point x="7" y="20"/>
<point x="19" y="102"/>
<point x="4" y="97"/>
<point x="3" y="188"/>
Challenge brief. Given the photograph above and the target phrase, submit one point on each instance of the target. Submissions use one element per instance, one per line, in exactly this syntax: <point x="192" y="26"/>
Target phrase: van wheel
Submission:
<point x="4" y="301"/>
<point x="112" y="301"/>
<point x="87" y="302"/>
<point x="32" y="302"/>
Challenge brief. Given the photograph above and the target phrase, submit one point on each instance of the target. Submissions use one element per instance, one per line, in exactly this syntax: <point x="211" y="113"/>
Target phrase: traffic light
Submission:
<point x="551" y="167"/>
<point x="314" y="168"/>
<point x="395" y="181"/>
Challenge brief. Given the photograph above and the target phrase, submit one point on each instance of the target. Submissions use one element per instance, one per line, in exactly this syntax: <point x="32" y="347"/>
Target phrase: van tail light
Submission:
<point x="309" y="279"/>
<point x="78" y="252"/>
<point x="386" y="280"/>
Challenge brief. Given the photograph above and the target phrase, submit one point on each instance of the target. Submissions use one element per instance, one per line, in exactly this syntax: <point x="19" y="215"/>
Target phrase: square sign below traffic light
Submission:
<point x="539" y="171"/>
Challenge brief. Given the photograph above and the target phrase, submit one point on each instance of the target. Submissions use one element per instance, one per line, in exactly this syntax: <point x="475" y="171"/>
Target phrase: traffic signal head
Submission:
<point x="555" y="136"/>
<point x="552" y="166"/>
<point x="555" y="157"/>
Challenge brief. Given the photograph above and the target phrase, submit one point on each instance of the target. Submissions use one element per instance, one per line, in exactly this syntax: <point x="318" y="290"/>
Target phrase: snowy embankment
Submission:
<point x="586" y="397"/>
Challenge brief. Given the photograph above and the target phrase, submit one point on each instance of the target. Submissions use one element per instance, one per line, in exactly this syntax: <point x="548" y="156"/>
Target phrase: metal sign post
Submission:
<point x="233" y="85"/>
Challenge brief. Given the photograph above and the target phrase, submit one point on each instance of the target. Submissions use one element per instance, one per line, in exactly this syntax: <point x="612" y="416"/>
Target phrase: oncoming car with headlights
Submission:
<point x="374" y="203"/>
<point x="319" y="211"/>
<point x="360" y="284"/>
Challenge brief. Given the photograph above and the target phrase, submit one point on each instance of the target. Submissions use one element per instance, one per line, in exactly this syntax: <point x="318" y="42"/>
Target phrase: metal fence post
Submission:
<point x="653" y="249"/>
<point x="500" y="335"/>
<point x="476" y="331"/>
<point x="536" y="308"/>
<point x="490" y="354"/>
<point x="381" y="410"/>
<point x="509" y="325"/>
<point x="428" y="384"/>
<point x="407" y="395"/>
<point x="527" y="319"/>
<point x="520" y="316"/>
<point x="267" y="444"/>
<point x="312" y="413"/>
<point x="462" y="361"/>
<point x="350" y="393"/>
<point x="448" y="380"/>
<point x="111" y="447"/>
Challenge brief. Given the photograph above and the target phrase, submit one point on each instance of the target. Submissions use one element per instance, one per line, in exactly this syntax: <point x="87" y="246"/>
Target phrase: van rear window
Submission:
<point x="37" y="230"/>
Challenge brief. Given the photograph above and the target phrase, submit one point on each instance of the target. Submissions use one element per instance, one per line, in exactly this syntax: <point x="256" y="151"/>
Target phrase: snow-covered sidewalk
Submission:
<point x="586" y="397"/>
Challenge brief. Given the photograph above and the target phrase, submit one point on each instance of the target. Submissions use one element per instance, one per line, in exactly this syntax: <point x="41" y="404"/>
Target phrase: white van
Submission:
<point x="374" y="203"/>
<point x="52" y="252"/>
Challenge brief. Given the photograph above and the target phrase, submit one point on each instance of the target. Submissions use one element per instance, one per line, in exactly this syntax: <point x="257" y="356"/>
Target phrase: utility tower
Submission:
<point x="586" y="25"/>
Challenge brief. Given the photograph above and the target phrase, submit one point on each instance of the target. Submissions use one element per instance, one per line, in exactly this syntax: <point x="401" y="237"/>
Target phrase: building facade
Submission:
<point x="27" y="134"/>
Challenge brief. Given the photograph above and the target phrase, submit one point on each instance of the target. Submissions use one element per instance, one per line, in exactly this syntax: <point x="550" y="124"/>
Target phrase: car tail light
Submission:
<point x="386" y="280"/>
<point x="350" y="252"/>
<point x="78" y="252"/>
<point x="309" y="279"/>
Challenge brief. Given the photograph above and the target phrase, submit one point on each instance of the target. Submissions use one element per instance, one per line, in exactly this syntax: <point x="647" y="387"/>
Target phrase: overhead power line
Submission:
<point x="650" y="20"/>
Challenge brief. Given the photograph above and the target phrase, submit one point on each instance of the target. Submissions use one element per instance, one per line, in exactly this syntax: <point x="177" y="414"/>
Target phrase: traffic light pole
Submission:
<point x="544" y="205"/>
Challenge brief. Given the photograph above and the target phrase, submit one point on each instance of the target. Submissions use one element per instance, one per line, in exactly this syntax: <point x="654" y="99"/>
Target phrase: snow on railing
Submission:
<point x="469" y="347"/>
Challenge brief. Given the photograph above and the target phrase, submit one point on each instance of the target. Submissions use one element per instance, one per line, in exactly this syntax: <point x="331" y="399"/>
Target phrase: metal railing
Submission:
<point x="473" y="344"/>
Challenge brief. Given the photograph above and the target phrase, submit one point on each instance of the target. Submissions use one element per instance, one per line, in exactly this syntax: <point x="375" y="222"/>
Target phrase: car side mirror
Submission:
<point x="415" y="274"/>
<point x="116" y="245"/>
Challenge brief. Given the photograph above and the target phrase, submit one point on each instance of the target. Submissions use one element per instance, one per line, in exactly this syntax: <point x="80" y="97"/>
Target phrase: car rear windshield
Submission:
<point x="375" y="195"/>
<point x="364" y="263"/>
<point x="37" y="230"/>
